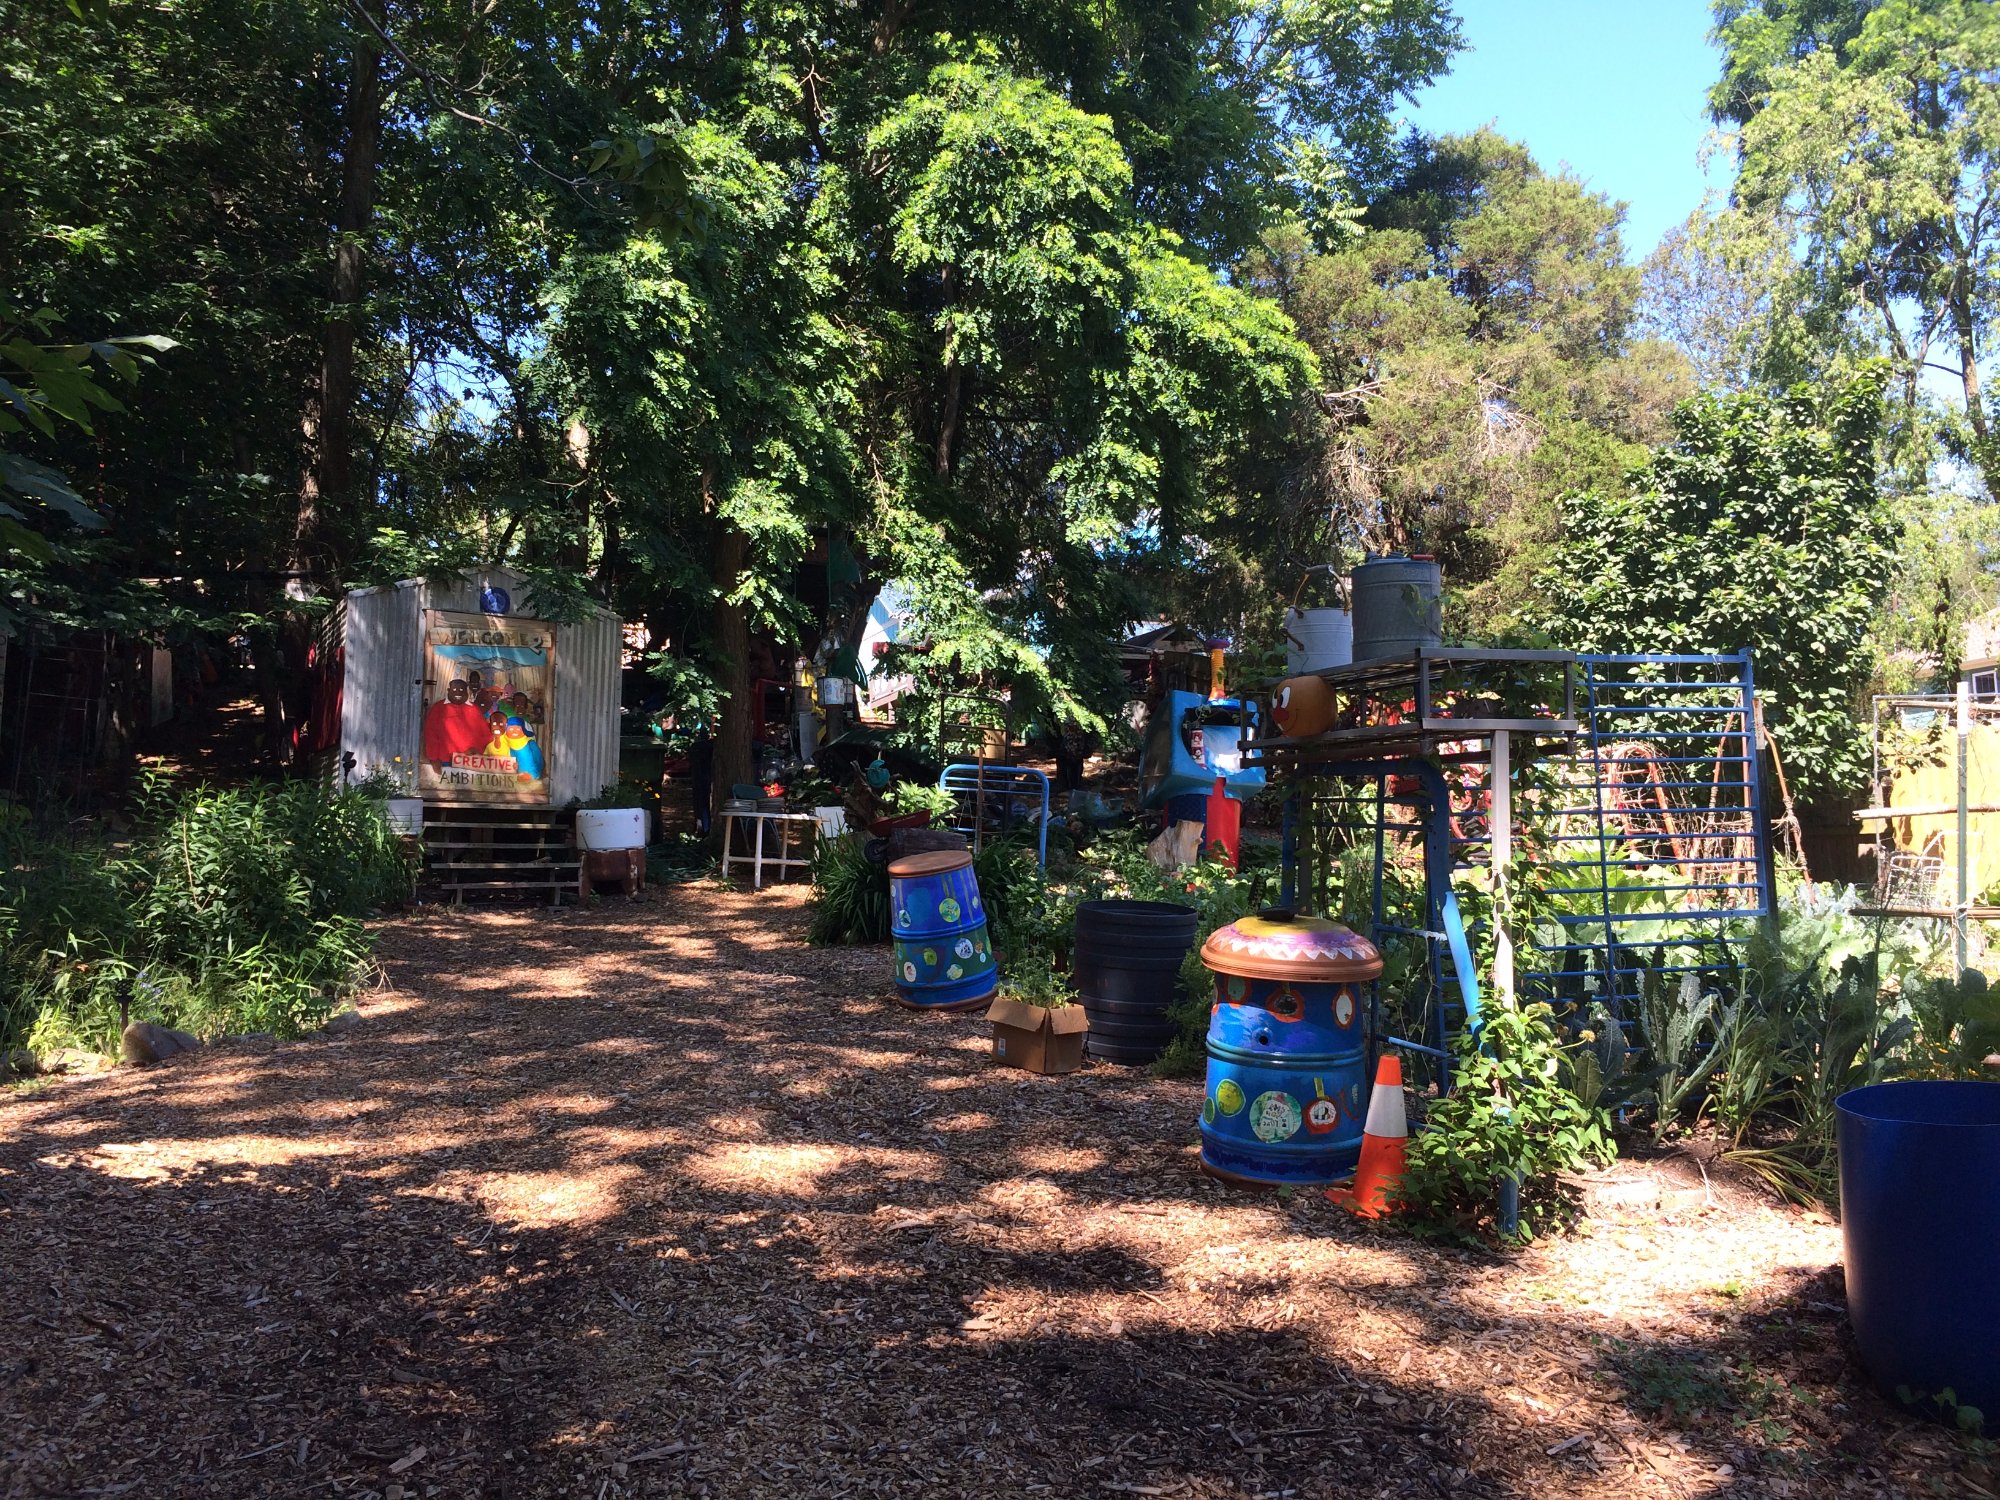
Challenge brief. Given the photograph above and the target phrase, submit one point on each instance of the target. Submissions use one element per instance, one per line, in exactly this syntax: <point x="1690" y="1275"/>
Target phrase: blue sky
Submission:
<point x="1611" y="88"/>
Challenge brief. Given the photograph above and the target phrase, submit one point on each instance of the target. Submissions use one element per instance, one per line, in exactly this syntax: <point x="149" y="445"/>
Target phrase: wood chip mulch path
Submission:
<point x="653" y="1199"/>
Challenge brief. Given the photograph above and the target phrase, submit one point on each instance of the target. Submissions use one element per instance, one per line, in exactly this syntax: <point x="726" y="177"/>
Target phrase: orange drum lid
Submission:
<point x="1277" y="945"/>
<point x="942" y="862"/>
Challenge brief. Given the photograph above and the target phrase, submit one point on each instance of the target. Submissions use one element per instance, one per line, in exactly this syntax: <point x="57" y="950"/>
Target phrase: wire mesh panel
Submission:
<point x="1652" y="831"/>
<point x="1641" y="854"/>
<point x="1909" y="879"/>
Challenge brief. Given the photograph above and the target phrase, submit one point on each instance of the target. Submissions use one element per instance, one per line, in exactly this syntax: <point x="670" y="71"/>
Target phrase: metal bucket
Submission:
<point x="1287" y="1050"/>
<point x="1397" y="606"/>
<point x="944" y="960"/>
<point x="1127" y="967"/>
<point x="1318" y="639"/>
<point x="1920" y="1219"/>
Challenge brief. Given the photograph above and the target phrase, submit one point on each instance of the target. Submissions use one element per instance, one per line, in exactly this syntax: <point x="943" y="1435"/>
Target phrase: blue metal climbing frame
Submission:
<point x="1662" y="841"/>
<point x="997" y="800"/>
<point x="1643" y="817"/>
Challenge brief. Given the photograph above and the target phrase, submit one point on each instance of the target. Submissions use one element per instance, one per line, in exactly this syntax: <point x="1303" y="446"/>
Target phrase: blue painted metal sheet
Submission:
<point x="1169" y="765"/>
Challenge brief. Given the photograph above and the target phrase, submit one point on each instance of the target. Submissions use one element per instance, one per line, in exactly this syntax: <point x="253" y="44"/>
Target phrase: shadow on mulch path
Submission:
<point x="653" y="1199"/>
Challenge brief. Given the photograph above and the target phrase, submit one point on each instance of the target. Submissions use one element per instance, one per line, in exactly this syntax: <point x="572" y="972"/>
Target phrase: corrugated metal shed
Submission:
<point x="381" y="707"/>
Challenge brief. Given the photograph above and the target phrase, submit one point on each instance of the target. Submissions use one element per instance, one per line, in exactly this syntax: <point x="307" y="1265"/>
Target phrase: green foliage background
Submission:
<point x="225" y="911"/>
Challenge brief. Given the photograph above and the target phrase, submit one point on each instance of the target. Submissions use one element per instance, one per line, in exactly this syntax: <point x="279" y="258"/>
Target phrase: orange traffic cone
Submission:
<point x="1383" y="1140"/>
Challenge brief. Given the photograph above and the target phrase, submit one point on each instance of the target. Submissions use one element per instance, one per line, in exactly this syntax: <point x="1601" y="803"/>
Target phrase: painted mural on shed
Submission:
<point x="458" y="698"/>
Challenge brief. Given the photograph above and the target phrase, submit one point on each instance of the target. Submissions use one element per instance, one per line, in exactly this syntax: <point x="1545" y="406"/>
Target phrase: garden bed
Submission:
<point x="654" y="1199"/>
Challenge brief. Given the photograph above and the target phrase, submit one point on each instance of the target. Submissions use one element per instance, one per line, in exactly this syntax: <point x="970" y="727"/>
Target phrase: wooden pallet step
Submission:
<point x="544" y="862"/>
<point x="494" y="844"/>
<point x="531" y="873"/>
<point x="474" y="883"/>
<point x="543" y="886"/>
<point x="505" y="864"/>
<point x="477" y="819"/>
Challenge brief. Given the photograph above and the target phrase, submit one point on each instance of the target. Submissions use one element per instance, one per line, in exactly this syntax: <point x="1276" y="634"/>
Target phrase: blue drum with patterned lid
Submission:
<point x="937" y="924"/>
<point x="1287" y="1050"/>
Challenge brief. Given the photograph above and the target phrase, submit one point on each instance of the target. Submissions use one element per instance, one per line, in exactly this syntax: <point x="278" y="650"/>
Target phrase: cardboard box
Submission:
<point x="1036" y="1038"/>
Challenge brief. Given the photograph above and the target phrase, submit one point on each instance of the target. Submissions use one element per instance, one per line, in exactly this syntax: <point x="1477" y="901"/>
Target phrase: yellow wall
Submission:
<point x="1935" y="786"/>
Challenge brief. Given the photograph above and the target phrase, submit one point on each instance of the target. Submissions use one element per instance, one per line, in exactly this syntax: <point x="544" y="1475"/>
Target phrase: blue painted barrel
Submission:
<point x="944" y="959"/>
<point x="1920" y="1218"/>
<point x="1287" y="1050"/>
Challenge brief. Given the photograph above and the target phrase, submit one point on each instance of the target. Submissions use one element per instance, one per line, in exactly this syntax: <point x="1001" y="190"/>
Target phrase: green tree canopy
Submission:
<point x="653" y="309"/>
<point x="1474" y="340"/>
<point x="1868" y="136"/>
<point x="1759" y="527"/>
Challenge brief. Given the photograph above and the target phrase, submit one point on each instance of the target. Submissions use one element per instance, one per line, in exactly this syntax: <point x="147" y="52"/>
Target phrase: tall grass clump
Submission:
<point x="222" y="911"/>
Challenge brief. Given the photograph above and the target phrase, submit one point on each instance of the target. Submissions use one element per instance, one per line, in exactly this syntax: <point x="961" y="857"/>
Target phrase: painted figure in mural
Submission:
<point x="527" y="711"/>
<point x="454" y="726"/>
<point x="497" y="746"/>
<point x="482" y="695"/>
<point x="525" y="748"/>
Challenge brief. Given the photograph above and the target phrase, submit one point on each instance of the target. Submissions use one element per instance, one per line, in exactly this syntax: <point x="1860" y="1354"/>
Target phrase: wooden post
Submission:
<point x="1500" y="824"/>
<point x="1964" y="902"/>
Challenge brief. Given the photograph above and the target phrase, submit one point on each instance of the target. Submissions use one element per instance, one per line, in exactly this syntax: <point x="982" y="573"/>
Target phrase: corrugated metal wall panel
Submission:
<point x="462" y="592"/>
<point x="381" y="694"/>
<point x="584" y="757"/>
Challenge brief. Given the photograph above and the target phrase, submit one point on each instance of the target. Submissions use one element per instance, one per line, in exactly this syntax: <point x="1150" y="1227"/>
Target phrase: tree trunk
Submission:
<point x="732" y="647"/>
<point x="954" y="393"/>
<point x="267" y="674"/>
<point x="1965" y="332"/>
<point x="328" y="482"/>
<point x="894" y="14"/>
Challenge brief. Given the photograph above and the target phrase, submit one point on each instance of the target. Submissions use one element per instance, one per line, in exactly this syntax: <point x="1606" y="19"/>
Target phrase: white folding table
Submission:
<point x="763" y="826"/>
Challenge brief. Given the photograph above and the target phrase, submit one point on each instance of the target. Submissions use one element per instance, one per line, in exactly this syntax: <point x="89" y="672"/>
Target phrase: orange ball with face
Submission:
<point x="1302" y="707"/>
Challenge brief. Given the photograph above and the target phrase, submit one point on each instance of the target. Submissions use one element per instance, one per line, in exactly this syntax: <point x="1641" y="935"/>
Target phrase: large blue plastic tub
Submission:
<point x="1920" y="1213"/>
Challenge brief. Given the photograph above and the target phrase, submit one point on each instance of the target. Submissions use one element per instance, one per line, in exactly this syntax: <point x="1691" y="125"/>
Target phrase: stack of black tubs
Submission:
<point x="1127" y="968"/>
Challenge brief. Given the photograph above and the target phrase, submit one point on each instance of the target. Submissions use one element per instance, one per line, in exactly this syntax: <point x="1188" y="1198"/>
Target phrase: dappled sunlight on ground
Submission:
<point x="653" y="1199"/>
<point x="796" y="1171"/>
<point x="539" y="1200"/>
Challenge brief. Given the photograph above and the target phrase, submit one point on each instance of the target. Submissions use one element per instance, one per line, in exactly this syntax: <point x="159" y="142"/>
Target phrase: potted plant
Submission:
<point x="615" y="819"/>
<point x="1036" y="1024"/>
<point x="395" y="783"/>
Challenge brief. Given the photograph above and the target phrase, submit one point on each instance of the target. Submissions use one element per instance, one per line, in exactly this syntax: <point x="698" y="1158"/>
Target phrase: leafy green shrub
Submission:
<point x="1030" y="922"/>
<point x="1825" y="1034"/>
<point x="1955" y="1024"/>
<point x="1038" y="981"/>
<point x="1513" y="1111"/>
<point x="227" y="911"/>
<point x="850" y="894"/>
<point x="914" y="797"/>
<point x="217" y="869"/>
